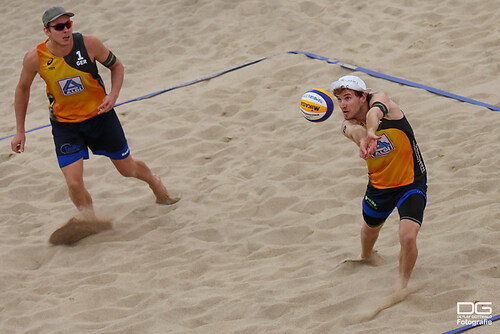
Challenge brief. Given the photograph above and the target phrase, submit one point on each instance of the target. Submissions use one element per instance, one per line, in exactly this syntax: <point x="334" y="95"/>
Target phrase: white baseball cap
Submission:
<point x="351" y="82"/>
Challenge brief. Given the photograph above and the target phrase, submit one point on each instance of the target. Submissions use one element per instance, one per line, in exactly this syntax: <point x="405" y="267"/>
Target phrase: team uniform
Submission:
<point x="75" y="90"/>
<point x="398" y="176"/>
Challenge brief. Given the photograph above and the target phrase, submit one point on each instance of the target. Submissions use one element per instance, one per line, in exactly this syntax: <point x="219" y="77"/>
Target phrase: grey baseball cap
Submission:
<point x="53" y="13"/>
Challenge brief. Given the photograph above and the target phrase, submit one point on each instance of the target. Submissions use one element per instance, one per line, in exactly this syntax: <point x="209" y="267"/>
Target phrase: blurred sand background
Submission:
<point x="271" y="203"/>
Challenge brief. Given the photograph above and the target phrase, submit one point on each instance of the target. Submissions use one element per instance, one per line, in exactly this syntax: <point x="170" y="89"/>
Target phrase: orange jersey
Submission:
<point x="74" y="87"/>
<point x="397" y="160"/>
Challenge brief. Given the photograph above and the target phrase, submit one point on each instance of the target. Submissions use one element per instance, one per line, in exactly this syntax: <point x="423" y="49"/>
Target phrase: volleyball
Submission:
<point x="316" y="105"/>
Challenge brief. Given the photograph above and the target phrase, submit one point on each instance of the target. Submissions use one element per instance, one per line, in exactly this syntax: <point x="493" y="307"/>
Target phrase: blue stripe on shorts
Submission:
<point x="125" y="152"/>
<point x="65" y="160"/>
<point x="408" y="193"/>
<point x="376" y="214"/>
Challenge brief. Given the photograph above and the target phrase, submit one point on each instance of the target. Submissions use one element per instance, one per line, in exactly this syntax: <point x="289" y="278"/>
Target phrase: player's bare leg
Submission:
<point x="408" y="231"/>
<point x="369" y="236"/>
<point x="129" y="167"/>
<point x="79" y="195"/>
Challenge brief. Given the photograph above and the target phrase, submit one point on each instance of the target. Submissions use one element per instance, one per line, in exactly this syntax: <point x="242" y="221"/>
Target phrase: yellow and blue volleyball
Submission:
<point x="316" y="105"/>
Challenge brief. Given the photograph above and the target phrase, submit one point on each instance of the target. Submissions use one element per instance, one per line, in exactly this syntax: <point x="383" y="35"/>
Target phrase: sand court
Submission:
<point x="271" y="203"/>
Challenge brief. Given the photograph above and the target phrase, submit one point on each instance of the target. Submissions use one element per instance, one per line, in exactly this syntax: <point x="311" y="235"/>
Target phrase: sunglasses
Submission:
<point x="61" y="26"/>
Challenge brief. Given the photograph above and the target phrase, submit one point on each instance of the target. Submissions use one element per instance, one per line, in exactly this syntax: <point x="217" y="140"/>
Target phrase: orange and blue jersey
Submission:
<point x="397" y="160"/>
<point x="74" y="87"/>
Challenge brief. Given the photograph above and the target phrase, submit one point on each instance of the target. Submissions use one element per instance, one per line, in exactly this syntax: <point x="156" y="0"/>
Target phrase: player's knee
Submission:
<point x="126" y="168"/>
<point x="408" y="240"/>
<point x="369" y="231"/>
<point x="126" y="171"/>
<point x="75" y="184"/>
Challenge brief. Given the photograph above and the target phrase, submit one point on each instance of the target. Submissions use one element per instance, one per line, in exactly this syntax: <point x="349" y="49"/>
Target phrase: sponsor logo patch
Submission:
<point x="70" y="86"/>
<point x="70" y="148"/>
<point x="384" y="146"/>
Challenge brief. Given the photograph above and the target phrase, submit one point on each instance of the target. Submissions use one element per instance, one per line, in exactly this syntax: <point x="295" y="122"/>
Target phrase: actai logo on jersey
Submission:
<point x="70" y="86"/>
<point x="384" y="146"/>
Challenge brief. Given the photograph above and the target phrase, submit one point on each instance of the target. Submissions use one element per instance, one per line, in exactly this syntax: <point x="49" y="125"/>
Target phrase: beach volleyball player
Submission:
<point x="397" y="174"/>
<point x="81" y="113"/>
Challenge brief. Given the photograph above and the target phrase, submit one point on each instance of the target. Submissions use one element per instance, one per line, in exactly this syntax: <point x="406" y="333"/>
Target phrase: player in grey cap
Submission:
<point x="81" y="111"/>
<point x="53" y="13"/>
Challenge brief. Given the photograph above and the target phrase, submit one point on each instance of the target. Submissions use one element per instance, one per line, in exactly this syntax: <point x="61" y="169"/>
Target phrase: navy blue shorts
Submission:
<point x="103" y="134"/>
<point x="410" y="200"/>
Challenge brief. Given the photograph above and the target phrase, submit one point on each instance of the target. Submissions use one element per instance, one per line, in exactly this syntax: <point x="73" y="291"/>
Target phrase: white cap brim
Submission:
<point x="350" y="82"/>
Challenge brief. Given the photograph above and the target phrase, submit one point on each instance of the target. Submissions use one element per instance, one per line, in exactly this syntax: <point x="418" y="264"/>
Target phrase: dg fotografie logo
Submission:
<point x="469" y="313"/>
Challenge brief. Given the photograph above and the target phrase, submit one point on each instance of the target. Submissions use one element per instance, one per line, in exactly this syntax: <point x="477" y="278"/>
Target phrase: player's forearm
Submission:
<point x="117" y="76"/>
<point x="358" y="134"/>
<point x="21" y="100"/>
<point x="354" y="132"/>
<point x="372" y="120"/>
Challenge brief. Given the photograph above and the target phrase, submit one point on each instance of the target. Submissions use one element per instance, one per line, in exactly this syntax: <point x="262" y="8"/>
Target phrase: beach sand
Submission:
<point x="271" y="203"/>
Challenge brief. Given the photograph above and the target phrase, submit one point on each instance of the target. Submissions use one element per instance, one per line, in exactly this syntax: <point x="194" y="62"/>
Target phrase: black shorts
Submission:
<point x="103" y="134"/>
<point x="410" y="200"/>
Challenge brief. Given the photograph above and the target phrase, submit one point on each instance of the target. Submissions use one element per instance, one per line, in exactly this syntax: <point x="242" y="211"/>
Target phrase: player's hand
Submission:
<point x="107" y="104"/>
<point x="17" y="143"/>
<point x="368" y="145"/>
